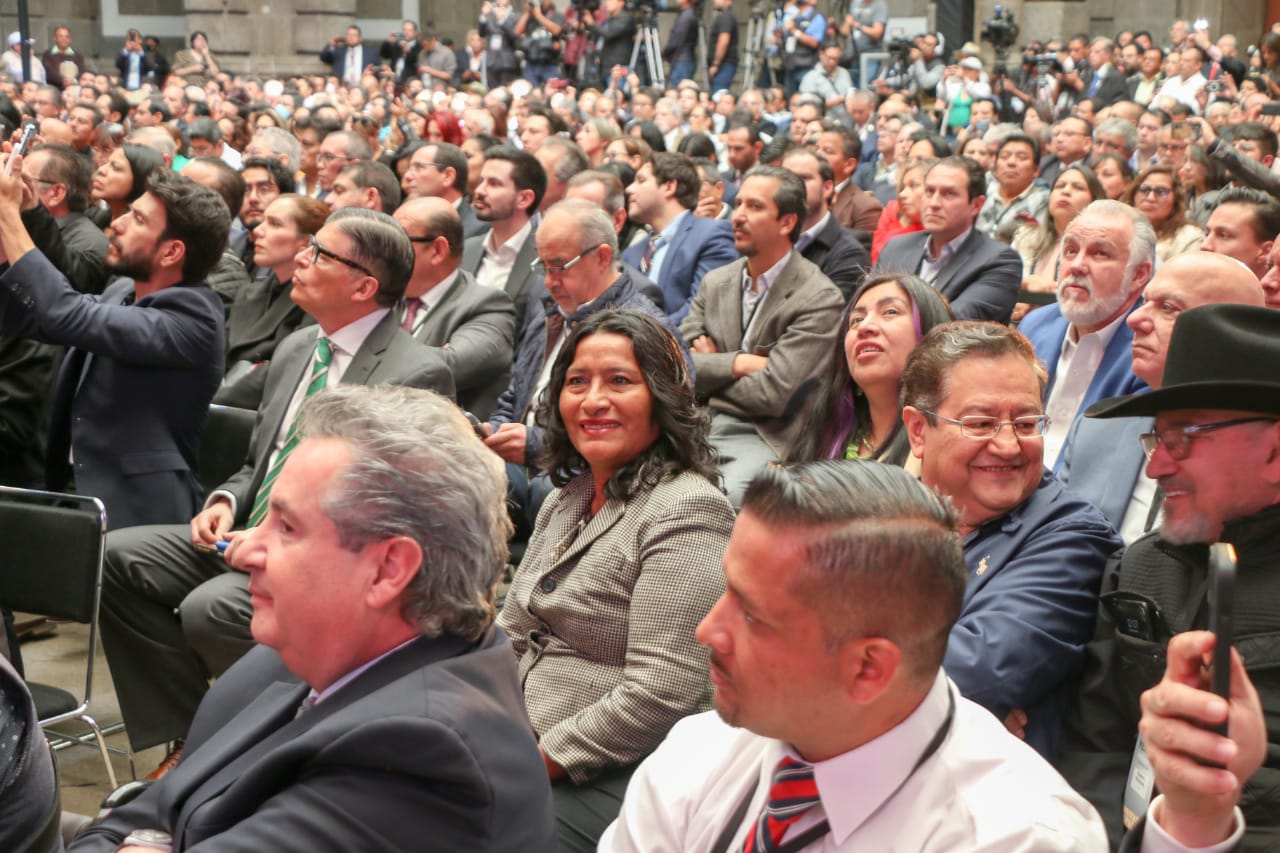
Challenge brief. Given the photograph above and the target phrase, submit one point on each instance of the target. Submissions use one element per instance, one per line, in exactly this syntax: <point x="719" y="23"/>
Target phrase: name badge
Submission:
<point x="1139" y="787"/>
<point x="495" y="42"/>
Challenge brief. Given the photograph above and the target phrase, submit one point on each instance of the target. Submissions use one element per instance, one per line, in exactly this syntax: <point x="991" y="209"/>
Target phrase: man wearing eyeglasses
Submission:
<point x="339" y="149"/>
<point x="976" y="421"/>
<point x="348" y="279"/>
<point x="1215" y="452"/>
<point x="1071" y="143"/>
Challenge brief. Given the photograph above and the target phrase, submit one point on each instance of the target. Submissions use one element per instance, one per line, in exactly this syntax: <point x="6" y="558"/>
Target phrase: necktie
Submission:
<point x="319" y="375"/>
<point x="792" y="793"/>
<point x="555" y="327"/>
<point x="1093" y="85"/>
<point x="655" y="243"/>
<point x="411" y="306"/>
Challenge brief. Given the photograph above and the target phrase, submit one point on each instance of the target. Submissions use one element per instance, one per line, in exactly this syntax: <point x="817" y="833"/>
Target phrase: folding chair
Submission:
<point x="54" y="546"/>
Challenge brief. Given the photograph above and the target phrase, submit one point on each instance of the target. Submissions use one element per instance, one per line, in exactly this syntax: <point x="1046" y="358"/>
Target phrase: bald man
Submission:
<point x="1104" y="462"/>
<point x="445" y="307"/>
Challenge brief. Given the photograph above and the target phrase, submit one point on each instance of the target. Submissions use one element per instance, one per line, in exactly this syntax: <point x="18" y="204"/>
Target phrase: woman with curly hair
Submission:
<point x="623" y="564"/>
<point x="855" y="413"/>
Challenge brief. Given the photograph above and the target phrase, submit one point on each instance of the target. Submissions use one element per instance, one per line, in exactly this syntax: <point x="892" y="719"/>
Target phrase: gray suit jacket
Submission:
<point x="981" y="280"/>
<point x="428" y="749"/>
<point x="795" y="326"/>
<point x="521" y="277"/>
<point x="388" y="357"/>
<point x="1102" y="461"/>
<point x="604" y="627"/>
<point x="476" y="326"/>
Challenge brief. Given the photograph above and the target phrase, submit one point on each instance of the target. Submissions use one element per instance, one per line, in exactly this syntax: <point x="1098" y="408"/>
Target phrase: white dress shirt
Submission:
<point x="931" y="266"/>
<point x="982" y="790"/>
<point x="498" y="260"/>
<point x="1077" y="365"/>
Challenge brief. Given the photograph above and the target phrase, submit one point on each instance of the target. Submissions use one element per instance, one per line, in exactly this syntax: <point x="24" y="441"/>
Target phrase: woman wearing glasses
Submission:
<point x="1157" y="193"/>
<point x="623" y="564"/>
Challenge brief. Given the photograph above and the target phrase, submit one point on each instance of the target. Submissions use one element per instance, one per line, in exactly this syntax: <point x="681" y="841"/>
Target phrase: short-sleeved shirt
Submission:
<point x="725" y="22"/>
<point x="866" y="14"/>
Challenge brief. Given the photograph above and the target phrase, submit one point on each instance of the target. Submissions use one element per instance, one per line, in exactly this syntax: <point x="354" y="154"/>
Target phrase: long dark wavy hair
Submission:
<point x="839" y="407"/>
<point x="682" y="443"/>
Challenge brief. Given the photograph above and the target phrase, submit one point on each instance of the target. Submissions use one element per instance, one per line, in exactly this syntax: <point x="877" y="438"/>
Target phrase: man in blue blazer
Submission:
<point x="682" y="248"/>
<point x="1108" y="252"/>
<point x="979" y="276"/>
<point x="145" y="357"/>
<point x="1103" y="461"/>
<point x="348" y="56"/>
<point x="382" y="710"/>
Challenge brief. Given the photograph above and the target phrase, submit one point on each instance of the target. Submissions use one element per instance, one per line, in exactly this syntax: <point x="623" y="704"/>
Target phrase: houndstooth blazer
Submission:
<point x="602" y="612"/>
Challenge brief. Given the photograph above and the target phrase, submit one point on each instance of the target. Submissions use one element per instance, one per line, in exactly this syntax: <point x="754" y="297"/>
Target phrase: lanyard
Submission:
<point x="804" y="839"/>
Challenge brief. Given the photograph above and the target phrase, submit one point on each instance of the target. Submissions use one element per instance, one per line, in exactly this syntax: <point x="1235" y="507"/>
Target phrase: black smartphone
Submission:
<point x="1222" y="585"/>
<point x="24" y="142"/>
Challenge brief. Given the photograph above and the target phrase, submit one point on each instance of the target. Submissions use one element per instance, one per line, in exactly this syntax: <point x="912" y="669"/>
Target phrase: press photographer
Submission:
<point x="541" y="28"/>
<point x="681" y="46"/>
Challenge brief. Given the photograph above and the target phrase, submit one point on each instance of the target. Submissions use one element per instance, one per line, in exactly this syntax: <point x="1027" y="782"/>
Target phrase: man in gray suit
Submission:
<point x="349" y="282"/>
<point x="443" y="306"/>
<point x="980" y="276"/>
<point x="759" y="328"/>
<point x="512" y="183"/>
<point x="383" y="709"/>
<point x="1103" y="461"/>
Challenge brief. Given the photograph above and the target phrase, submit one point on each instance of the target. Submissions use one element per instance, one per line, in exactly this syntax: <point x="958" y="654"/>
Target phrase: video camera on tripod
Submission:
<point x="1000" y="30"/>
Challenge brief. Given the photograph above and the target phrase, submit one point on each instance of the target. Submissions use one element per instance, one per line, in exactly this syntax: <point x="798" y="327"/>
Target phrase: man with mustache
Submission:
<point x="1108" y="252"/>
<point x="1214" y="449"/>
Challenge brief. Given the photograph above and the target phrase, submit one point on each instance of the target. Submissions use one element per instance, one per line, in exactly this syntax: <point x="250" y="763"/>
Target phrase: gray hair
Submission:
<point x="926" y="376"/>
<point x="419" y="471"/>
<point x="593" y="225"/>
<point x="883" y="556"/>
<point x="1142" y="247"/>
<point x="381" y="244"/>
<point x="571" y="160"/>
<point x="1000" y="132"/>
<point x="155" y="138"/>
<point x="1122" y="128"/>
<point x="615" y="197"/>
<point x="282" y="142"/>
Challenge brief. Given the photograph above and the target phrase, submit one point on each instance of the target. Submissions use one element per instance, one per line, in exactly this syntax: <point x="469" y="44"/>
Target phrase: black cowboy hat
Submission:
<point x="1220" y="357"/>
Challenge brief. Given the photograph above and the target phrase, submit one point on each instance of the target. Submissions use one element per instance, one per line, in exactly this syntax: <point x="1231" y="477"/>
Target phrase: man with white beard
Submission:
<point x="1108" y="252"/>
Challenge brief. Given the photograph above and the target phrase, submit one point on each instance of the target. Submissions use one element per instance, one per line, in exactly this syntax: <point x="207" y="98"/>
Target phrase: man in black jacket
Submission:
<point x="824" y="241"/>
<point x="1215" y="452"/>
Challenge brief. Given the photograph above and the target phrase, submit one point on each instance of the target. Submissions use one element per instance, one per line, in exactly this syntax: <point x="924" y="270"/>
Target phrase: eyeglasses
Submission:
<point x="425" y="238"/>
<point x="324" y="158"/>
<point x="317" y="250"/>
<point x="416" y="166"/>
<point x="982" y="428"/>
<point x="1158" y="192"/>
<point x="539" y="267"/>
<point x="1177" y="440"/>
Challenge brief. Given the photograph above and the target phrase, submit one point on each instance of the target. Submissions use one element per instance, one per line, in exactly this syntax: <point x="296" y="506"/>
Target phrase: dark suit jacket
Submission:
<point x="428" y="749"/>
<point x="472" y="226"/>
<point x="27" y="371"/>
<point x="840" y="257"/>
<point x="133" y="392"/>
<point x="336" y="57"/>
<point x="795" y="326"/>
<point x="478" y="324"/>
<point x="521" y="277"/>
<point x="1112" y="88"/>
<point x="981" y="280"/>
<point x="699" y="246"/>
<point x="388" y="357"/>
<point x="257" y="322"/>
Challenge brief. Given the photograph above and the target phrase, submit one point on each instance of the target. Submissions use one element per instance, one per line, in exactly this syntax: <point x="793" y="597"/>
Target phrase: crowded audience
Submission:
<point x="649" y="459"/>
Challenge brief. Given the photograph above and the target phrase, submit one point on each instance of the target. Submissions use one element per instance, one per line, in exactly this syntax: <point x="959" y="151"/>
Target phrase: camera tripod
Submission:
<point x="754" y="56"/>
<point x="649" y="43"/>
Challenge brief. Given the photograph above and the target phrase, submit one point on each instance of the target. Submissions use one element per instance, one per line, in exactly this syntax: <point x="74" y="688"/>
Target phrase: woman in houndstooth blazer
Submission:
<point x="624" y="562"/>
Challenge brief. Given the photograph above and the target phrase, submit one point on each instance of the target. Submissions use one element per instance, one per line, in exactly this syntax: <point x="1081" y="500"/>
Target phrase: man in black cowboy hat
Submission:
<point x="1215" y="453"/>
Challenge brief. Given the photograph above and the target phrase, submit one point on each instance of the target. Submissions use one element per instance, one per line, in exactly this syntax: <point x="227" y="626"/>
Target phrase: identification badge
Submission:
<point x="790" y="46"/>
<point x="495" y="42"/>
<point x="1139" y="787"/>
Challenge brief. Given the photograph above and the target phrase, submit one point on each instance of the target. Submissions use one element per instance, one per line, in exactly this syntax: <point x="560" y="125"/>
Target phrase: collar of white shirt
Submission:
<point x="507" y="251"/>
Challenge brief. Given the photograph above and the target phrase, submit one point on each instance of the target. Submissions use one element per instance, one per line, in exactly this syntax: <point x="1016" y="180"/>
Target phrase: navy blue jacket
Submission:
<point x="699" y="246"/>
<point x="1029" y="608"/>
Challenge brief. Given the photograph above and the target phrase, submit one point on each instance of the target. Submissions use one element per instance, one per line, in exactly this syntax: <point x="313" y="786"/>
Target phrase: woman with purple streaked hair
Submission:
<point x="856" y="413"/>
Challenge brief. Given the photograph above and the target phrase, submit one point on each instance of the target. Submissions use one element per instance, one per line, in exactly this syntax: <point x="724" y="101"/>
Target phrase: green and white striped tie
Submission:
<point x="319" y="375"/>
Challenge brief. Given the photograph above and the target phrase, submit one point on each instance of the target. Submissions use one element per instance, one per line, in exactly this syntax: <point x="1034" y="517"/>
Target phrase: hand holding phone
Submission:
<point x="1222" y="584"/>
<point x="20" y="150"/>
